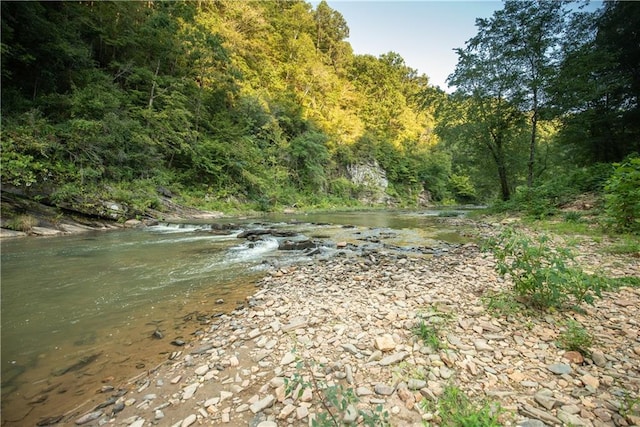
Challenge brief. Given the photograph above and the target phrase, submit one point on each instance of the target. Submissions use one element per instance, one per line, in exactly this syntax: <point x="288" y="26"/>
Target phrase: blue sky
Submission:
<point x="423" y="32"/>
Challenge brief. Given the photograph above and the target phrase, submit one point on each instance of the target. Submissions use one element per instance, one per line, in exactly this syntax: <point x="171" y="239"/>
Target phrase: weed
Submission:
<point x="572" y="216"/>
<point x="429" y="334"/>
<point x="630" y="405"/>
<point x="575" y="338"/>
<point x="405" y="371"/>
<point x="626" y="245"/>
<point x="23" y="223"/>
<point x="339" y="403"/>
<point x="618" y="282"/>
<point x="503" y="304"/>
<point x="455" y="409"/>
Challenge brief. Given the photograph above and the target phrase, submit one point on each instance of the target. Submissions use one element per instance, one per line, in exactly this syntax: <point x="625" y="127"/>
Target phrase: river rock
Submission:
<point x="394" y="358"/>
<point x="287" y="359"/>
<point x="350" y="415"/>
<point x="385" y="342"/>
<point x="560" y="368"/>
<point x="590" y="380"/>
<point x="415" y="384"/>
<point x="574" y="357"/>
<point x="201" y="370"/>
<point x="189" y="420"/>
<point x="290" y="245"/>
<point x="598" y="358"/>
<point x="262" y="404"/>
<point x="91" y="416"/>
<point x="571" y="419"/>
<point x="189" y="391"/>
<point x="384" y="389"/>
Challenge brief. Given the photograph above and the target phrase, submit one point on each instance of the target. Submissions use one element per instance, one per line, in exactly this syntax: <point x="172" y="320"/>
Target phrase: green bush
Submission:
<point x="622" y="196"/>
<point x="543" y="276"/>
<point x="575" y="338"/>
<point x="455" y="409"/>
<point x="462" y="188"/>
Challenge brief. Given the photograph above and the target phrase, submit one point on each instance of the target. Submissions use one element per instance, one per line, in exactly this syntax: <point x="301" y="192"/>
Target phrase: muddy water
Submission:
<point x="79" y="312"/>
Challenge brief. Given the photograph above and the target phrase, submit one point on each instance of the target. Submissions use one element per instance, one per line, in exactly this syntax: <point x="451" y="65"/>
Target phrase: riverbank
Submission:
<point x="22" y="216"/>
<point x="348" y="323"/>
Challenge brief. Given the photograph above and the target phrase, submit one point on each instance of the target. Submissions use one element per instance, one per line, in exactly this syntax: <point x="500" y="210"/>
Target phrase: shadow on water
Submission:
<point x="79" y="310"/>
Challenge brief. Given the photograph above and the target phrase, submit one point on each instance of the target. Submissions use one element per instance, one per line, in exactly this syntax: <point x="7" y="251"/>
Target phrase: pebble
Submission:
<point x="353" y="324"/>
<point x="262" y="404"/>
<point x="287" y="359"/>
<point x="384" y="389"/>
<point x="598" y="358"/>
<point x="394" y="358"/>
<point x="560" y="368"/>
<point x="201" y="370"/>
<point x="91" y="416"/>
<point x="189" y="420"/>
<point x="189" y="391"/>
<point x="384" y="342"/>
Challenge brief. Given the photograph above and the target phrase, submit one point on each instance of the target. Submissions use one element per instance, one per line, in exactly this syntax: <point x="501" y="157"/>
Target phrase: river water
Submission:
<point x="80" y="311"/>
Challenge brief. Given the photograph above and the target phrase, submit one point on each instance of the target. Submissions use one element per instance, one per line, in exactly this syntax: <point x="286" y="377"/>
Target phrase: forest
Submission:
<point x="235" y="105"/>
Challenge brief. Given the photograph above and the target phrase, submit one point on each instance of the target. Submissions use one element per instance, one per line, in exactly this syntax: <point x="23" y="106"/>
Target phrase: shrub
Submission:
<point x="455" y="409"/>
<point x="622" y="196"/>
<point x="575" y="338"/>
<point x="24" y="223"/>
<point x="543" y="276"/>
<point x="429" y="334"/>
<point x="337" y="401"/>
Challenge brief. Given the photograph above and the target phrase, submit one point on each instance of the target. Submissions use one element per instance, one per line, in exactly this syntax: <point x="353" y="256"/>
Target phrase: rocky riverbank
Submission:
<point x="23" y="216"/>
<point x="348" y="324"/>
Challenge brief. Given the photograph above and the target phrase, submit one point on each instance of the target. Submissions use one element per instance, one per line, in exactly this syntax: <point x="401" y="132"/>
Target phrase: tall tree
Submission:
<point x="597" y="90"/>
<point x="516" y="49"/>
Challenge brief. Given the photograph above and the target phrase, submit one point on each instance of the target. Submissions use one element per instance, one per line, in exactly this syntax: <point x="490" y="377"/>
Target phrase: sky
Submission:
<point x="423" y="32"/>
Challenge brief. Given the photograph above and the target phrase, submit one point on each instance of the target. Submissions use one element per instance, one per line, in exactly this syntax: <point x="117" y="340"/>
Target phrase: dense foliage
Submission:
<point x="264" y="104"/>
<point x="544" y="275"/>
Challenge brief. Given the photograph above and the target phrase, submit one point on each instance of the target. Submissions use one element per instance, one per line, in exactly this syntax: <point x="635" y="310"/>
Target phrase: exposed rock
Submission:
<point x="385" y="342"/>
<point x="350" y="321"/>
<point x="574" y="357"/>
<point x="598" y="358"/>
<point x="560" y="368"/>
<point x="291" y="245"/>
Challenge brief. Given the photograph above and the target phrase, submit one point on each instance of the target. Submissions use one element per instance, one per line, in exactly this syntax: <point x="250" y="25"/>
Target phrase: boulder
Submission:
<point x="291" y="245"/>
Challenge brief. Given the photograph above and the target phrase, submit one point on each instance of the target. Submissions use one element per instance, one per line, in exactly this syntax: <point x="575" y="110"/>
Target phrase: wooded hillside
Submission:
<point x="224" y="104"/>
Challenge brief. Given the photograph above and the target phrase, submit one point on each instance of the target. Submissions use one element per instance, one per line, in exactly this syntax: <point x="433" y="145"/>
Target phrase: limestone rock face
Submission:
<point x="372" y="178"/>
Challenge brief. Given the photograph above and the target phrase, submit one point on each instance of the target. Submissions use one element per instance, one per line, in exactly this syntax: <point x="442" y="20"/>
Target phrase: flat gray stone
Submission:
<point x="571" y="419"/>
<point x="350" y="348"/>
<point x="598" y="358"/>
<point x="394" y="358"/>
<point x="363" y="391"/>
<point x="189" y="391"/>
<point x="384" y="390"/>
<point x="560" y="368"/>
<point x="545" y="401"/>
<point x="262" y="404"/>
<point x="414" y="384"/>
<point x="531" y="423"/>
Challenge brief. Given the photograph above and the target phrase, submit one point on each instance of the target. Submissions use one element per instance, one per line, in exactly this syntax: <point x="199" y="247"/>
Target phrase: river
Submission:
<point x="80" y="311"/>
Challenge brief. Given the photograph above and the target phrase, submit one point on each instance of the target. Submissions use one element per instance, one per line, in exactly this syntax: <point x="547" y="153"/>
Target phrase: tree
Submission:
<point x="597" y="89"/>
<point x="507" y="66"/>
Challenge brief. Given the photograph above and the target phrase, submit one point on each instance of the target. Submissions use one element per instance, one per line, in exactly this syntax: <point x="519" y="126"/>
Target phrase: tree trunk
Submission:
<point x="153" y="86"/>
<point x="504" y="182"/>
<point x="532" y="143"/>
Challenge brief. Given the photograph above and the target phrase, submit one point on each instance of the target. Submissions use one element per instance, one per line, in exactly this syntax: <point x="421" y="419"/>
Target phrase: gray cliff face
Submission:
<point x="372" y="179"/>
